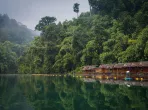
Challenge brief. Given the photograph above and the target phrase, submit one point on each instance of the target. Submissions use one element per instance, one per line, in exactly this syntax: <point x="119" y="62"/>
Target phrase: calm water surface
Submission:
<point x="67" y="93"/>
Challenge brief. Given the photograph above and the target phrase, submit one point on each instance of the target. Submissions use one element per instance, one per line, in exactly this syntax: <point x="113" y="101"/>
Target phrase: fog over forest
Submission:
<point x="29" y="12"/>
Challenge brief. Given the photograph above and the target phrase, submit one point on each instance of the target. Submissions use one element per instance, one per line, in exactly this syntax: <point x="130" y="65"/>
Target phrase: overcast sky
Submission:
<point x="29" y="12"/>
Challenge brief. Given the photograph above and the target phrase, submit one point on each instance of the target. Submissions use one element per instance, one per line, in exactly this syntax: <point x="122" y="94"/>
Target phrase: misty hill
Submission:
<point x="13" y="31"/>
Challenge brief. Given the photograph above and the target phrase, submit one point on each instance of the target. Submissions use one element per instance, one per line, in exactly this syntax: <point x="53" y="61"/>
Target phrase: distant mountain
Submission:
<point x="13" y="31"/>
<point x="35" y="33"/>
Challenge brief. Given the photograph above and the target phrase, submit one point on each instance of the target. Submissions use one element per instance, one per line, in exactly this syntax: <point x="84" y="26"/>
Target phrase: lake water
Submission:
<point x="67" y="93"/>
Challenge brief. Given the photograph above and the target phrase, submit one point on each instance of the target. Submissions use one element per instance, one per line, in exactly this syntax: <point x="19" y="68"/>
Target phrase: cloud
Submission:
<point x="29" y="12"/>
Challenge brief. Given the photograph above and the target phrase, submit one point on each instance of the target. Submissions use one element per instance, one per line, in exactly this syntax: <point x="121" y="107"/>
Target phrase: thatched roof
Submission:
<point x="137" y="64"/>
<point x="132" y="64"/>
<point x="106" y="66"/>
<point x="89" y="67"/>
<point x="144" y="64"/>
<point x="119" y="65"/>
<point x="127" y="65"/>
<point x="103" y="66"/>
<point x="111" y="66"/>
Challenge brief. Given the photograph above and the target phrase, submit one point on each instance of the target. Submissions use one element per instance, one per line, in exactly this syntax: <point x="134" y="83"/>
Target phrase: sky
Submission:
<point x="29" y="12"/>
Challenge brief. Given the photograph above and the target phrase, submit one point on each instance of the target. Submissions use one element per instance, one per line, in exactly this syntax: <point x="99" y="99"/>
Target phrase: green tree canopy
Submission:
<point x="76" y="8"/>
<point x="45" y="21"/>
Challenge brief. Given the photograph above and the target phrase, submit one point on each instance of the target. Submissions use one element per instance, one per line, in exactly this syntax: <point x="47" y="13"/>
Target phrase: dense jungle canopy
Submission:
<point x="112" y="31"/>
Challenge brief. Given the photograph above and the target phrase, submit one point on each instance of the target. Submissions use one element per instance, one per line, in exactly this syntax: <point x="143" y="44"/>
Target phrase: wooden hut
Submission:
<point x="89" y="69"/>
<point x="110" y="68"/>
<point x="104" y="71"/>
<point x="101" y="69"/>
<point x="134" y="70"/>
<point x="118" y="71"/>
<point x="144" y="70"/>
<point x="127" y="67"/>
<point x="118" y="68"/>
<point x="135" y="67"/>
<point x="144" y="67"/>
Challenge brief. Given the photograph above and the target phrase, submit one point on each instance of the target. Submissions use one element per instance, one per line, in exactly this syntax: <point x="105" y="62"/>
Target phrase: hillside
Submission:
<point x="114" y="31"/>
<point x="14" y="40"/>
<point x="13" y="31"/>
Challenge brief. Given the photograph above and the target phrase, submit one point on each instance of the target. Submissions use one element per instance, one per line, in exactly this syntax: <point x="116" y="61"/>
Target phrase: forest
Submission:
<point x="113" y="31"/>
<point x="14" y="38"/>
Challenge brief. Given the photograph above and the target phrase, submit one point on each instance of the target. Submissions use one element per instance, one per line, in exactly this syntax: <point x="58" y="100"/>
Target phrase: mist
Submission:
<point x="29" y="12"/>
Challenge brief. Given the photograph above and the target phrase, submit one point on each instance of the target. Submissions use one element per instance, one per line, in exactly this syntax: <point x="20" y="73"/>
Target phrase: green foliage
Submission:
<point x="76" y="8"/>
<point x="45" y="21"/>
<point x="39" y="58"/>
<point x="9" y="53"/>
<point x="107" y="57"/>
<point x="114" y="31"/>
<point x="90" y="54"/>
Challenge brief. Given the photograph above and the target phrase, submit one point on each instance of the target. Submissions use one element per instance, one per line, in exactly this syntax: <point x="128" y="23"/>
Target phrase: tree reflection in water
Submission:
<point x="67" y="93"/>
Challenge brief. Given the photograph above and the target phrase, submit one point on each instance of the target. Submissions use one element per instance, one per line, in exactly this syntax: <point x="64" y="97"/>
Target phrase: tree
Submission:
<point x="90" y="8"/>
<point x="93" y="5"/>
<point x="76" y="8"/>
<point x="115" y="32"/>
<point x="45" y="21"/>
<point x="107" y="57"/>
<point x="8" y="58"/>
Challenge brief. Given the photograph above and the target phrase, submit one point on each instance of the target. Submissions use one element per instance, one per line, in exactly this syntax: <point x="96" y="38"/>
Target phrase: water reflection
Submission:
<point x="67" y="93"/>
